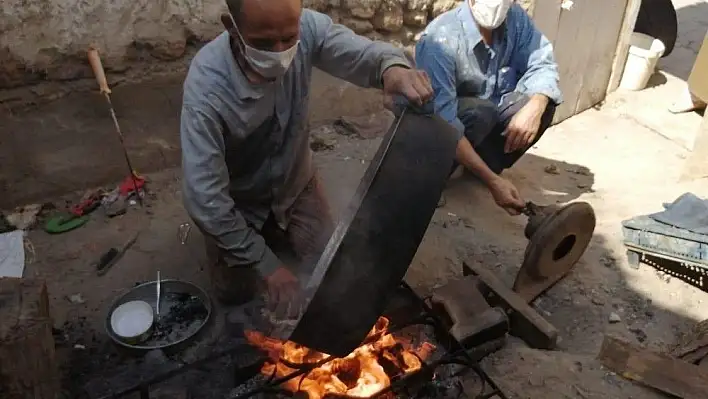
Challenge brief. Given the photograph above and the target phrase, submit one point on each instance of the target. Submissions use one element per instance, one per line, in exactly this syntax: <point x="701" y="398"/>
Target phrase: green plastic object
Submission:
<point x="62" y="223"/>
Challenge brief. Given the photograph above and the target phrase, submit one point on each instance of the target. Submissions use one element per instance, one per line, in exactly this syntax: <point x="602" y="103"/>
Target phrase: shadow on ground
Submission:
<point x="656" y="79"/>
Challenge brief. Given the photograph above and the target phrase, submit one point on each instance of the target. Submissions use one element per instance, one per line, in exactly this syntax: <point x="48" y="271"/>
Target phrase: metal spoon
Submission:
<point x="157" y="305"/>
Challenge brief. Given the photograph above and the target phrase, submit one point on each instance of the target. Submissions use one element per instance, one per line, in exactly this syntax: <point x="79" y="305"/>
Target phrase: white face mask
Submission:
<point x="269" y="64"/>
<point x="490" y="14"/>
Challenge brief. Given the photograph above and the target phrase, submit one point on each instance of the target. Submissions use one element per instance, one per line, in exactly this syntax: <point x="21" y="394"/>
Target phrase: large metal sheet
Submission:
<point x="373" y="245"/>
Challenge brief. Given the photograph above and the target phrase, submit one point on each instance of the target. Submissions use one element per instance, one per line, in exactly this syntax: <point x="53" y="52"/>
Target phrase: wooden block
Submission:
<point x="692" y="347"/>
<point x="698" y="79"/>
<point x="669" y="375"/>
<point x="28" y="367"/>
<point x="525" y="322"/>
<point x="696" y="166"/>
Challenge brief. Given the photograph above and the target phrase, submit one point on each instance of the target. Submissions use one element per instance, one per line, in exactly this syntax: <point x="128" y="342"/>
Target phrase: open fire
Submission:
<point x="361" y="374"/>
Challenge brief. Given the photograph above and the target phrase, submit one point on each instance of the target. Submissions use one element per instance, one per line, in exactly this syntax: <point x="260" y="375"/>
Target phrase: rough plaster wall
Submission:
<point x="43" y="42"/>
<point x="47" y="40"/>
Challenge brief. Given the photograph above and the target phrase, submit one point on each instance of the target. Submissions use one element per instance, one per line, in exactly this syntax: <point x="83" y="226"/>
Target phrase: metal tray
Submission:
<point x="375" y="241"/>
<point x="147" y="292"/>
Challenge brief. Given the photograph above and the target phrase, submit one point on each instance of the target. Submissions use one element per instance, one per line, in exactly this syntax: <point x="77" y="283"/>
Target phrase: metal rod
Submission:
<point x="157" y="304"/>
<point x="125" y="151"/>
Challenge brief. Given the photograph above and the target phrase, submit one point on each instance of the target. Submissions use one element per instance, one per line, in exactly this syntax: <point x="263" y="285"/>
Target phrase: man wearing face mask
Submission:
<point x="249" y="182"/>
<point x="495" y="79"/>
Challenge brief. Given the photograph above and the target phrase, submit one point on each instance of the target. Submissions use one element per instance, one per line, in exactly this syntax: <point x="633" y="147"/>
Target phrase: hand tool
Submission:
<point x="157" y="301"/>
<point x="113" y="255"/>
<point x="97" y="66"/>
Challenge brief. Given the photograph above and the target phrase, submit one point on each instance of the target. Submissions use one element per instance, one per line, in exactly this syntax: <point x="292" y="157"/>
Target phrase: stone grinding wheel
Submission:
<point x="558" y="236"/>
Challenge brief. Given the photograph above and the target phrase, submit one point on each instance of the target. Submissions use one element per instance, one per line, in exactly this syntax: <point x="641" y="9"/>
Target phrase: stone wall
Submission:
<point x="43" y="42"/>
<point x="397" y="21"/>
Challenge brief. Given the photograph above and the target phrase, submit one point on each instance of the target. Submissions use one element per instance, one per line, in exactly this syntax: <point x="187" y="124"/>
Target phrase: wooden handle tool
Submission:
<point x="97" y="66"/>
<point x="95" y="61"/>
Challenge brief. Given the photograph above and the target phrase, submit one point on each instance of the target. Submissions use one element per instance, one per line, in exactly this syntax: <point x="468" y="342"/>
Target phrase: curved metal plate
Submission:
<point x="375" y="241"/>
<point x="657" y="18"/>
<point x="557" y="244"/>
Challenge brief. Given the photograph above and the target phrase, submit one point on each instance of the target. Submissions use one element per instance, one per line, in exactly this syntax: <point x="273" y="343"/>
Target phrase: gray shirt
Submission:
<point x="245" y="147"/>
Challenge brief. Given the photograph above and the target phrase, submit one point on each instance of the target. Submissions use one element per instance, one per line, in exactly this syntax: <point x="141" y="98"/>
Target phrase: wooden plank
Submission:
<point x="692" y="346"/>
<point x="625" y="33"/>
<point x="28" y="367"/>
<point x="572" y="49"/>
<point x="525" y="322"/>
<point x="698" y="79"/>
<point x="669" y="375"/>
<point x="608" y="17"/>
<point x="696" y="166"/>
<point x="546" y="16"/>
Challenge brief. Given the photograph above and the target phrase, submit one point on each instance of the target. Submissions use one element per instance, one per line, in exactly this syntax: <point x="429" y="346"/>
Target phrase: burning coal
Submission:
<point x="363" y="373"/>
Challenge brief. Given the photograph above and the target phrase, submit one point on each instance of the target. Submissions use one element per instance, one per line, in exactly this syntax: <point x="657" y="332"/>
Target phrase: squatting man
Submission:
<point x="495" y="80"/>
<point x="249" y="181"/>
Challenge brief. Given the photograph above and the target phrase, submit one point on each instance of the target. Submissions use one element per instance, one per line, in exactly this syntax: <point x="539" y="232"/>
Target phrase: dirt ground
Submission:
<point x="617" y="158"/>
<point x="624" y="157"/>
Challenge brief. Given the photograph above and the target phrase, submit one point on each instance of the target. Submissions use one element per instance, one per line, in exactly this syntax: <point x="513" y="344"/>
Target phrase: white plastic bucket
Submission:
<point x="644" y="53"/>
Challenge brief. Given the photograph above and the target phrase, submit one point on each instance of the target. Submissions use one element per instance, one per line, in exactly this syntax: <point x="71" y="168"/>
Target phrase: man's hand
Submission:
<point x="524" y="126"/>
<point x="410" y="83"/>
<point x="283" y="290"/>
<point x="506" y="196"/>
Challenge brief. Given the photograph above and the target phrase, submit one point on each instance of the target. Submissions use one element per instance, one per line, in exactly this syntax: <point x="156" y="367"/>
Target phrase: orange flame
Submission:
<point x="361" y="374"/>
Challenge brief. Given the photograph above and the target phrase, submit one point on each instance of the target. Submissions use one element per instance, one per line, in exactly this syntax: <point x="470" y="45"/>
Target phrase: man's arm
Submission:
<point x="206" y="193"/>
<point x="342" y="53"/>
<point x="534" y="58"/>
<point x="438" y="61"/>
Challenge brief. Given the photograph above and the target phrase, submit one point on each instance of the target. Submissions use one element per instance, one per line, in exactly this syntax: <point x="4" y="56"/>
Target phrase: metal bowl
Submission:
<point x="147" y="292"/>
<point x="132" y="322"/>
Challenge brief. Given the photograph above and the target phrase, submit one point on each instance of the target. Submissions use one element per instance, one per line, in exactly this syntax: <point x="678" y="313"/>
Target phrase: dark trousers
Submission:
<point x="299" y="246"/>
<point x="485" y="124"/>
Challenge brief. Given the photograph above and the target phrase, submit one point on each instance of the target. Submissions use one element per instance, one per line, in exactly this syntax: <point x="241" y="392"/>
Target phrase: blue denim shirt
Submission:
<point x="459" y="63"/>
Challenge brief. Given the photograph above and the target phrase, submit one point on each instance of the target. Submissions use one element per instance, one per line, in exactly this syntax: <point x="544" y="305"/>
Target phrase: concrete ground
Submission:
<point x="624" y="157"/>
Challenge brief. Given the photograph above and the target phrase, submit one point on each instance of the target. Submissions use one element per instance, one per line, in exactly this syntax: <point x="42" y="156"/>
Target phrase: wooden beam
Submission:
<point x="546" y="16"/>
<point x="28" y="368"/>
<point x="692" y="347"/>
<point x="630" y="18"/>
<point x="525" y="322"/>
<point x="669" y="375"/>
<point x="696" y="166"/>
